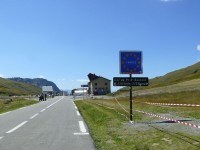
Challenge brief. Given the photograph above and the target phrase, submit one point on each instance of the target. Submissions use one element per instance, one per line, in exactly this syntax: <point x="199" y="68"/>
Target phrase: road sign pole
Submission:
<point x="130" y="63"/>
<point x="131" y="111"/>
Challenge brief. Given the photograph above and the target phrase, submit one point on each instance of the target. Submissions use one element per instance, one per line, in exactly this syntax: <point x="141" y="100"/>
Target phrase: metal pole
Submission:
<point x="83" y="93"/>
<point x="131" y="111"/>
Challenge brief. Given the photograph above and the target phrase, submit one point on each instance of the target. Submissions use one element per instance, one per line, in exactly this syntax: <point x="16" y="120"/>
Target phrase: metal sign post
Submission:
<point x="129" y="81"/>
<point x="130" y="63"/>
<point x="131" y="98"/>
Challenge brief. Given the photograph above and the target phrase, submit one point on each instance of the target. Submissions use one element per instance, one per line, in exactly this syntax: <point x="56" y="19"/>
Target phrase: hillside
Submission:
<point x="179" y="76"/>
<point x="39" y="82"/>
<point x="8" y="87"/>
<point x="185" y="74"/>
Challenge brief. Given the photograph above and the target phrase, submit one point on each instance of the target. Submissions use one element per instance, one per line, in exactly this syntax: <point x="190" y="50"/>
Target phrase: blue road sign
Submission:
<point x="84" y="85"/>
<point x="131" y="62"/>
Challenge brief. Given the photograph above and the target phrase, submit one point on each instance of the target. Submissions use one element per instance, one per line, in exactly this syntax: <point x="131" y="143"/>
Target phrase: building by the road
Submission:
<point x="80" y="91"/>
<point x="47" y="90"/>
<point x="98" y="85"/>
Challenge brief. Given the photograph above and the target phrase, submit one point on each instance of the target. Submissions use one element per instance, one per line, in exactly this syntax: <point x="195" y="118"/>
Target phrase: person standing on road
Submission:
<point x="45" y="97"/>
<point x="41" y="97"/>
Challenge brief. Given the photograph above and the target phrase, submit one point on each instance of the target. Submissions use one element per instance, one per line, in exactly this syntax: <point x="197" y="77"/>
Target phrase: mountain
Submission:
<point x="39" y="82"/>
<point x="185" y="74"/>
<point x="8" y="87"/>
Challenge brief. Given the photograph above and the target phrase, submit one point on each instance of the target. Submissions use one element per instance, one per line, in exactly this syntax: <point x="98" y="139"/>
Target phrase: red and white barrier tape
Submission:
<point x="121" y="105"/>
<point x="168" y="104"/>
<point x="154" y="115"/>
<point x="177" y="121"/>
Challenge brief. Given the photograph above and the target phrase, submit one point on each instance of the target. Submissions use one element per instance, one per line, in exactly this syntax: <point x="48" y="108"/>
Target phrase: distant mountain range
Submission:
<point x="39" y="82"/>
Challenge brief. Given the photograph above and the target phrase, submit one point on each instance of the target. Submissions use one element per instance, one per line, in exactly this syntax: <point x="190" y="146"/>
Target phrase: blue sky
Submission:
<point x="64" y="40"/>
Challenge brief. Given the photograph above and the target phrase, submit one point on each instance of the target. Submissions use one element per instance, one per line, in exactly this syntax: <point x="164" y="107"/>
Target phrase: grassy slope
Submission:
<point x="185" y="74"/>
<point x="7" y="105"/>
<point x="8" y="87"/>
<point x="178" y="76"/>
<point x="111" y="131"/>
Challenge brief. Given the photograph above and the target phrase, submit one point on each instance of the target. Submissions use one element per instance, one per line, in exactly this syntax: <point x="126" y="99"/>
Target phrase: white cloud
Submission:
<point x="1" y="76"/>
<point x="41" y="76"/>
<point x="82" y="80"/>
<point x="198" y="47"/>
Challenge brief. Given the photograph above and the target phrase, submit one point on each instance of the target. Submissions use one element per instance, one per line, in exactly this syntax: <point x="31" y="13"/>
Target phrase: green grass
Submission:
<point x="8" y="87"/>
<point x="185" y="74"/>
<point x="110" y="130"/>
<point x="186" y="97"/>
<point x="7" y="105"/>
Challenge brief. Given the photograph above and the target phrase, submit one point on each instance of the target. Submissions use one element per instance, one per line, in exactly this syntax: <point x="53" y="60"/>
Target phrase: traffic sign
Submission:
<point x="125" y="81"/>
<point x="84" y="85"/>
<point x="131" y="62"/>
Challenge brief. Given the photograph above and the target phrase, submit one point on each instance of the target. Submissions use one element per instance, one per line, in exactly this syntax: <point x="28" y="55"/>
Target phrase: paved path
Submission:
<point x="54" y="124"/>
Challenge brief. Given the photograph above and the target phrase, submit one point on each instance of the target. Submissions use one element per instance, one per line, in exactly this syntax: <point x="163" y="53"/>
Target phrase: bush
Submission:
<point x="7" y="101"/>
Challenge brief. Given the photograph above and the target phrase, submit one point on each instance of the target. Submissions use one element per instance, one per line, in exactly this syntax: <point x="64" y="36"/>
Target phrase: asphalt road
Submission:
<point x="54" y="124"/>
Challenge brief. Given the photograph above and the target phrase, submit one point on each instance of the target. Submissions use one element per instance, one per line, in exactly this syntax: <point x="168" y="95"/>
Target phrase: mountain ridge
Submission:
<point x="9" y="87"/>
<point x="184" y="74"/>
<point x="39" y="82"/>
<point x="181" y="75"/>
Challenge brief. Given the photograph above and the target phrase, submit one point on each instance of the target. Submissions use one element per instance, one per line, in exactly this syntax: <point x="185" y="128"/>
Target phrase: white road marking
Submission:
<point x="78" y="114"/>
<point x="42" y="110"/>
<point x="54" y="103"/>
<point x="34" y="116"/>
<point x="17" y="127"/>
<point x="49" y="106"/>
<point x="81" y="133"/>
<point x="75" y="107"/>
<point x="82" y="127"/>
<point x="1" y="137"/>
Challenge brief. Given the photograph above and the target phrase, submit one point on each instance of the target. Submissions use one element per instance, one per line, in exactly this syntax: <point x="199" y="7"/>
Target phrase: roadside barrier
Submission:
<point x="149" y="114"/>
<point x="121" y="105"/>
<point x="165" y="118"/>
<point x="170" y="104"/>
